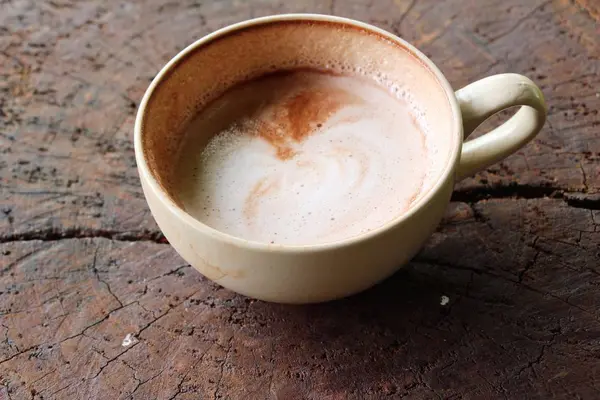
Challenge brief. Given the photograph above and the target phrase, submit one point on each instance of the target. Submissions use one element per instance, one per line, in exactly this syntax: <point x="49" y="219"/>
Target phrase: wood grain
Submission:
<point x="522" y="319"/>
<point x="83" y="265"/>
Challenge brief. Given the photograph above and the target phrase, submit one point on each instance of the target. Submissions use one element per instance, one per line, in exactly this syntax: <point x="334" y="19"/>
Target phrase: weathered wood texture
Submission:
<point x="83" y="264"/>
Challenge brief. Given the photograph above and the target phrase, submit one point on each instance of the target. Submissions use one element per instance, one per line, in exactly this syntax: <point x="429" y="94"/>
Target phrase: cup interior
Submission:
<point x="205" y="70"/>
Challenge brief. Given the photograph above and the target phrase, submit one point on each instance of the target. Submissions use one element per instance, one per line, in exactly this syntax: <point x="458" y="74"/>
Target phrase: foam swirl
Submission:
<point x="319" y="158"/>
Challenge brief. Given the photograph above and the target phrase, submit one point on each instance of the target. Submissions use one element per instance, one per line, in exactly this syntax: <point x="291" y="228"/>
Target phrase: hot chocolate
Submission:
<point x="303" y="157"/>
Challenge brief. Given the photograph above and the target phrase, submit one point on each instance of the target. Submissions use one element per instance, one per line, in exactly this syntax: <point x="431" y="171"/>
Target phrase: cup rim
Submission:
<point x="166" y="200"/>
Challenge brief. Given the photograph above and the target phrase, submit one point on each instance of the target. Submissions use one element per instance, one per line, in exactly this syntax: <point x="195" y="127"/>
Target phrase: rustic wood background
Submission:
<point x="83" y="264"/>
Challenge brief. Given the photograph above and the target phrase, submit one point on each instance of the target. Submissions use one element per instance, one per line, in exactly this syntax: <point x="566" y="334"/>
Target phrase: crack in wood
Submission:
<point x="519" y="22"/>
<point x="514" y="191"/>
<point x="225" y="359"/>
<point x="140" y="382"/>
<point x="185" y="375"/>
<point x="585" y="200"/>
<point x="115" y="358"/>
<point x="53" y="234"/>
<point x="81" y="333"/>
<point x="529" y="264"/>
<point x="590" y="201"/>
<point x="99" y="279"/>
<point x="580" y="200"/>
<point x="397" y="26"/>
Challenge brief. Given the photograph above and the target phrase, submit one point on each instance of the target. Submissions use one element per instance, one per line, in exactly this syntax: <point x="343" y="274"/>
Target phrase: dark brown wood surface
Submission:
<point x="83" y="265"/>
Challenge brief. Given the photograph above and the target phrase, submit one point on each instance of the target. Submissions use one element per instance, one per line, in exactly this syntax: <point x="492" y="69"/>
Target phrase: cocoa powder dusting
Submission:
<point x="308" y="109"/>
<point x="296" y="117"/>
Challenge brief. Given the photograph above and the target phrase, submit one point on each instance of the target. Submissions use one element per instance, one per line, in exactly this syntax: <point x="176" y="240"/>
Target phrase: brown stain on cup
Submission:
<point x="215" y="273"/>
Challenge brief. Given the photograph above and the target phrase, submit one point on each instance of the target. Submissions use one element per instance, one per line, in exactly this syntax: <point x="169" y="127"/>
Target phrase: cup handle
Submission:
<point x="484" y="98"/>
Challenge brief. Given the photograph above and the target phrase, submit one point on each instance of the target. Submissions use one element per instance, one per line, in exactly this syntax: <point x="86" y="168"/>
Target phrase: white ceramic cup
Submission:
<point x="321" y="272"/>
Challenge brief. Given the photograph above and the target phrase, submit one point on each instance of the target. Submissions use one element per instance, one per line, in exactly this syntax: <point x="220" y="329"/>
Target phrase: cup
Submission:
<point x="324" y="271"/>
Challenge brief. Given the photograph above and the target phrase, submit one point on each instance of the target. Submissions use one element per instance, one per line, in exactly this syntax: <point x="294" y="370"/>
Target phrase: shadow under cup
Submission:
<point x="205" y="70"/>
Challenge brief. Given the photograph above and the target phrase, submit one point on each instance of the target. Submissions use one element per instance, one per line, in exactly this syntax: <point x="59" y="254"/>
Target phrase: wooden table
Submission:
<point x="84" y="267"/>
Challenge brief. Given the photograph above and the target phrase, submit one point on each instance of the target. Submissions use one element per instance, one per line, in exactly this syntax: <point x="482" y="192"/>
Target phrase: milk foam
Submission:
<point x="303" y="158"/>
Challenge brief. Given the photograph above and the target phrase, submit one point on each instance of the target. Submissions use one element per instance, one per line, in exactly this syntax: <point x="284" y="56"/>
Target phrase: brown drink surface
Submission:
<point x="302" y="157"/>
